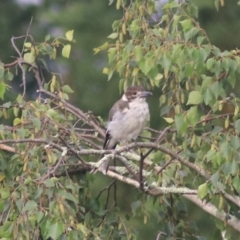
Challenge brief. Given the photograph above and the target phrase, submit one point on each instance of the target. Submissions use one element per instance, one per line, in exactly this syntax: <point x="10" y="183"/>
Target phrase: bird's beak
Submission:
<point x="145" y="94"/>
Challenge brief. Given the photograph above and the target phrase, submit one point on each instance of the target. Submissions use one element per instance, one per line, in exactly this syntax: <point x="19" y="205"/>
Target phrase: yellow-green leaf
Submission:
<point x="159" y="76"/>
<point x="27" y="44"/>
<point x="67" y="89"/>
<point x="53" y="83"/>
<point x="66" y="51"/>
<point x="69" y="35"/>
<point x="105" y="70"/>
<point x="169" y="120"/>
<point x="2" y="176"/>
<point x="2" y="89"/>
<point x="113" y="35"/>
<point x="202" y="190"/>
<point x="29" y="57"/>
<point x="17" y="121"/>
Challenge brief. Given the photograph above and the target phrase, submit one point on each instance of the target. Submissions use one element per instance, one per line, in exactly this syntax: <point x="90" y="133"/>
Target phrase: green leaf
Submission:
<point x="202" y="190"/>
<point x="195" y="97"/>
<point x="180" y="124"/>
<point x="138" y="53"/>
<point x="165" y="110"/>
<point x="191" y="33"/>
<point x="2" y="89"/>
<point x="145" y="66"/>
<point x="68" y="196"/>
<point x="236" y="183"/>
<point x="67" y="89"/>
<point x="47" y="37"/>
<point x="6" y="230"/>
<point x="110" y="73"/>
<point x="235" y="142"/>
<point x="233" y="65"/>
<point x="237" y="125"/>
<point x="29" y="57"/>
<point x="51" y="112"/>
<point x="65" y="96"/>
<point x="30" y="205"/>
<point x="166" y="63"/>
<point x="234" y="168"/>
<point x="216" y="89"/>
<point x="204" y="53"/>
<point x="170" y="5"/>
<point x="226" y="64"/>
<point x="225" y="149"/>
<point x="214" y="179"/>
<point x="5" y="193"/>
<point x="200" y="40"/>
<point x="135" y="205"/>
<point x="210" y="62"/>
<point x="69" y="35"/>
<point x="111" y="54"/>
<point x="49" y="183"/>
<point x="39" y="216"/>
<point x="9" y="76"/>
<point x="207" y="96"/>
<point x="36" y="122"/>
<point x="210" y="155"/>
<point x="21" y="132"/>
<point x="66" y="51"/>
<point x="113" y="35"/>
<point x="7" y="104"/>
<point x="206" y="82"/>
<point x="193" y="116"/>
<point x="186" y="24"/>
<point x="55" y="230"/>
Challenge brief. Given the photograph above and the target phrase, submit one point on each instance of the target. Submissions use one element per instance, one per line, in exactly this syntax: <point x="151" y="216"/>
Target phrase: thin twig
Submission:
<point x="72" y="151"/>
<point x="77" y="112"/>
<point x="160" y="234"/>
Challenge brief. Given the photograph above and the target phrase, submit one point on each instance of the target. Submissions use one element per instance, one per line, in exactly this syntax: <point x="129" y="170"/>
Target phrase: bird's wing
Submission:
<point x="119" y="106"/>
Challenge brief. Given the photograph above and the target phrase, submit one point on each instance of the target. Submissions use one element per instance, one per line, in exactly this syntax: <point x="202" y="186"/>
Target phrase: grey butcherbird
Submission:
<point x="127" y="118"/>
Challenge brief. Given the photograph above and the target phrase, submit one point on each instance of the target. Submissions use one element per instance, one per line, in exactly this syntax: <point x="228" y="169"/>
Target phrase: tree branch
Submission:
<point x="211" y="209"/>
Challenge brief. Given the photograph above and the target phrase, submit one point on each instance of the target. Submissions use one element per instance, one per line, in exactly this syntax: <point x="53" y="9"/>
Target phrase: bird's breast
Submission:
<point x="127" y="125"/>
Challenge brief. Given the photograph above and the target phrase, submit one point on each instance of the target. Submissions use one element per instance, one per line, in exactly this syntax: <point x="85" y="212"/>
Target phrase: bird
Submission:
<point x="127" y="118"/>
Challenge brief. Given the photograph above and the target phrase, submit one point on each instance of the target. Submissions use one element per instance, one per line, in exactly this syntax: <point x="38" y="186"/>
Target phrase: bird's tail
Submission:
<point x="105" y="165"/>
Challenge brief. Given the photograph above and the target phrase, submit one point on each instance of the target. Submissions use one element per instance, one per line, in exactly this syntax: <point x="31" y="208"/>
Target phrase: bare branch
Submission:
<point x="15" y="141"/>
<point x="54" y="169"/>
<point x="8" y="148"/>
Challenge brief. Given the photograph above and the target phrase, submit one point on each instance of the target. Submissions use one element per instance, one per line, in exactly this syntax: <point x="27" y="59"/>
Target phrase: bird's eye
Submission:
<point x="134" y="93"/>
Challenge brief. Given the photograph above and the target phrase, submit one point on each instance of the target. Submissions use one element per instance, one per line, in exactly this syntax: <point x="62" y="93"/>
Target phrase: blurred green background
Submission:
<point x="91" y="21"/>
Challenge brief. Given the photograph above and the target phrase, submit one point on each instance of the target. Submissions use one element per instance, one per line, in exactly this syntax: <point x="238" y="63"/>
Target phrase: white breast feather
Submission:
<point x="127" y="125"/>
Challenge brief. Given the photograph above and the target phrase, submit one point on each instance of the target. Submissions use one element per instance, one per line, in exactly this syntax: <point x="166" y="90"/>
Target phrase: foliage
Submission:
<point x="47" y="154"/>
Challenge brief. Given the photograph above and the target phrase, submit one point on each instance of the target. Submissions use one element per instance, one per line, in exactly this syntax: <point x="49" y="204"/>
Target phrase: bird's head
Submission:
<point x="135" y="93"/>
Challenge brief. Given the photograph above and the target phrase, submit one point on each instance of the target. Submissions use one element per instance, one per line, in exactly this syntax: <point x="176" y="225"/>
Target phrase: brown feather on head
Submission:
<point x="136" y="91"/>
